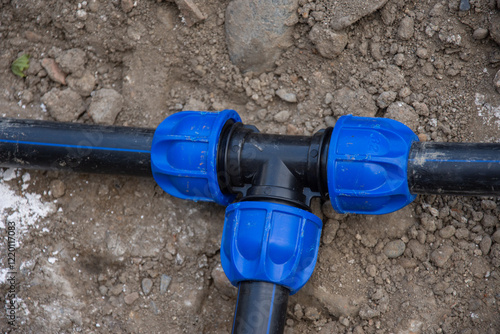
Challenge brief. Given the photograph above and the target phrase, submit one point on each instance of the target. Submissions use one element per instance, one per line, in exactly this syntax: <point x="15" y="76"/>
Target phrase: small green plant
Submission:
<point x="20" y="65"/>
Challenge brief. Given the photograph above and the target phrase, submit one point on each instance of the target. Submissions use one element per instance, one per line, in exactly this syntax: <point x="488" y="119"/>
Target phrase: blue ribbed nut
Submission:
<point x="270" y="242"/>
<point x="367" y="165"/>
<point x="184" y="155"/>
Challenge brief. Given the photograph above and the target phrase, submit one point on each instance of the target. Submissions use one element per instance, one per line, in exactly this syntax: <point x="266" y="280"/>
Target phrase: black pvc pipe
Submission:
<point x="260" y="308"/>
<point x="75" y="147"/>
<point x="454" y="168"/>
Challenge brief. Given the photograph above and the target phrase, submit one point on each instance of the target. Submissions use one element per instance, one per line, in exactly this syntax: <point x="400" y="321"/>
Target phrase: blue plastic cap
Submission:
<point x="367" y="165"/>
<point x="270" y="242"/>
<point x="184" y="155"/>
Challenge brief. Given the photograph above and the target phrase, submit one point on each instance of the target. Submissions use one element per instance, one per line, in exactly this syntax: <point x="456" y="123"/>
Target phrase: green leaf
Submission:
<point x="20" y="65"/>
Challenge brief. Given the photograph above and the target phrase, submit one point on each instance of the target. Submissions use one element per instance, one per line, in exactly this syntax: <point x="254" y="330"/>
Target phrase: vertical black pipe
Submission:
<point x="260" y="308"/>
<point x="454" y="168"/>
<point x="75" y="147"/>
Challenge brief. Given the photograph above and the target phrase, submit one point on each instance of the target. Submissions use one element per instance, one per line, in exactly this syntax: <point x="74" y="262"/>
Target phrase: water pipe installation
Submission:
<point x="270" y="239"/>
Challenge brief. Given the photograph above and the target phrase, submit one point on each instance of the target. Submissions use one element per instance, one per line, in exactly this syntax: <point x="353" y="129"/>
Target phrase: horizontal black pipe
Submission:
<point x="260" y="308"/>
<point x="75" y="147"/>
<point x="454" y="168"/>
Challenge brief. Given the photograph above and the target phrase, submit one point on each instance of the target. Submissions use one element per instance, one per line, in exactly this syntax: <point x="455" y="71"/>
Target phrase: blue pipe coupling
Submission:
<point x="184" y="155"/>
<point x="270" y="242"/>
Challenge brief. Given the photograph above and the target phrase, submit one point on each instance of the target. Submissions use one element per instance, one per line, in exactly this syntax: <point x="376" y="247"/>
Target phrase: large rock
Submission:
<point x="329" y="43"/>
<point x="357" y="102"/>
<point x="346" y="12"/>
<point x="257" y="32"/>
<point x="64" y="105"/>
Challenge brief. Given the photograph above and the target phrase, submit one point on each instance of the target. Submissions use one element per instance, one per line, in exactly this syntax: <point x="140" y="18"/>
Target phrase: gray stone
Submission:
<point x="146" y="284"/>
<point x="131" y="298"/>
<point x="406" y="27"/>
<point x="258" y="31"/>
<point x="488" y="204"/>
<point x="346" y="12"/>
<point x="479" y="267"/>
<point x="105" y="106"/>
<point x="165" y="281"/>
<point x="489" y="220"/>
<point x="357" y="102"/>
<point x="311" y="313"/>
<point x="286" y="96"/>
<point x="64" y="105"/>
<point x="496" y="237"/>
<point x="418" y="250"/>
<point x="441" y="255"/>
<point x="282" y="116"/>
<point x="103" y="290"/>
<point x="368" y="313"/>
<point x="447" y="232"/>
<point x="385" y="99"/>
<point x="221" y="282"/>
<point x="72" y="61"/>
<point x="190" y="12"/>
<point x="462" y="233"/>
<point x="329" y="43"/>
<point x="83" y="85"/>
<point x="480" y="33"/>
<point x="57" y="188"/>
<point x="394" y="249"/>
<point x="403" y="113"/>
<point x="127" y="5"/>
<point x="330" y="121"/>
<point x="371" y="270"/>
<point x="496" y="81"/>
<point x="485" y="244"/>
<point x="330" y="231"/>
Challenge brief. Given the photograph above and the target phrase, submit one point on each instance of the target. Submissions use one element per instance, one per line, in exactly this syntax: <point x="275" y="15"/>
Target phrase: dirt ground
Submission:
<point x="111" y="254"/>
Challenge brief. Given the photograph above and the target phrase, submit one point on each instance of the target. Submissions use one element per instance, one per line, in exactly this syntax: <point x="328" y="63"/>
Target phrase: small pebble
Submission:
<point x="131" y="298"/>
<point x="164" y="283"/>
<point x="57" y="188"/>
<point x="464" y="5"/>
<point x="286" y="96"/>
<point x="496" y="82"/>
<point x="311" y="313"/>
<point x="447" y="232"/>
<point x="147" y="284"/>
<point x="485" y="244"/>
<point x="282" y="116"/>
<point x="480" y="33"/>
<point x="441" y="255"/>
<point x="496" y="236"/>
<point x="406" y="27"/>
<point x="394" y="249"/>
